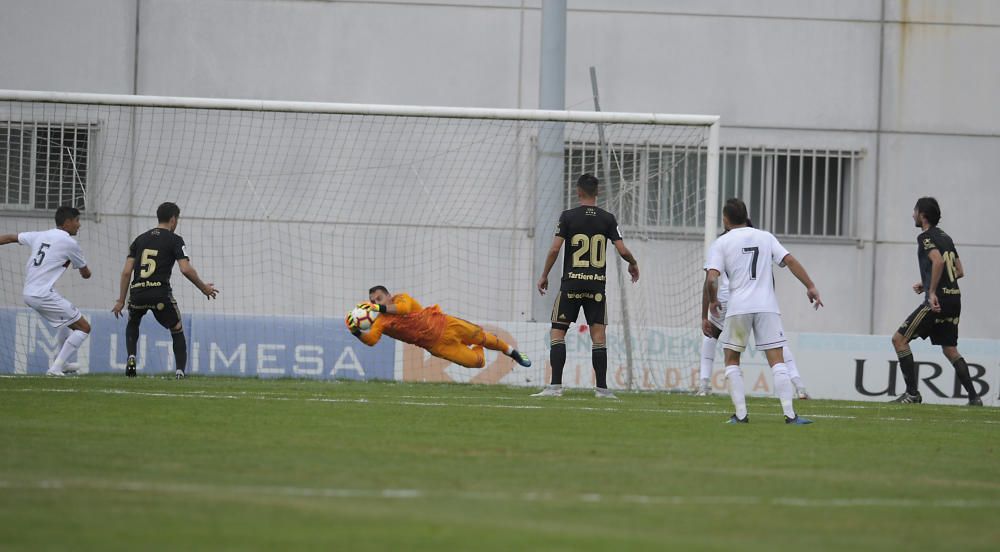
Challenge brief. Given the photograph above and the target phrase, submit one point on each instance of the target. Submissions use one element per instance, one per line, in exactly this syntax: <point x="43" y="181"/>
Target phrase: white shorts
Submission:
<point x="766" y="326"/>
<point x="54" y="308"/>
<point x="718" y="321"/>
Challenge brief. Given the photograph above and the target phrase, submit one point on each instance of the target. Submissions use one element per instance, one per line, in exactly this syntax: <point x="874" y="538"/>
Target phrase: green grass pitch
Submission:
<point x="105" y="463"/>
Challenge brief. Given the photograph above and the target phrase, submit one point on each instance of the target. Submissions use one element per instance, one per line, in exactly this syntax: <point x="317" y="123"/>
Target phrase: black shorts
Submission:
<point x="568" y="304"/>
<point x="941" y="327"/>
<point x="164" y="308"/>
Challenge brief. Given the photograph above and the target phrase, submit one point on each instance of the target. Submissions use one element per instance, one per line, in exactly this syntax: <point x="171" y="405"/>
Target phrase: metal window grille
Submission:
<point x="791" y="192"/>
<point x="44" y="166"/>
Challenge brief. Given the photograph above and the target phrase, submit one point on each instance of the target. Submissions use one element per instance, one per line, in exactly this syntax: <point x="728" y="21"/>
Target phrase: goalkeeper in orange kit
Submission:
<point x="403" y="318"/>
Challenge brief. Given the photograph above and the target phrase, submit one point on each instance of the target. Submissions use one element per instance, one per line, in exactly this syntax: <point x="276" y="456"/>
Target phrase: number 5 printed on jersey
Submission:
<point x="147" y="263"/>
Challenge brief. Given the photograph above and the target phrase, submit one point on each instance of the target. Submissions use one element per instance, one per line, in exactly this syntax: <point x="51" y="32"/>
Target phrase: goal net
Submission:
<point x="294" y="210"/>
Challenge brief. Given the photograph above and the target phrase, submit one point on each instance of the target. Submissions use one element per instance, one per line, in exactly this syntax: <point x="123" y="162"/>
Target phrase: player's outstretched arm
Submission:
<point x="799" y="271"/>
<point x="191" y="274"/>
<point x="391" y="308"/>
<point x="626" y="254"/>
<point x="8" y="238"/>
<point x="550" y="259"/>
<point x="371" y="337"/>
<point x="123" y="282"/>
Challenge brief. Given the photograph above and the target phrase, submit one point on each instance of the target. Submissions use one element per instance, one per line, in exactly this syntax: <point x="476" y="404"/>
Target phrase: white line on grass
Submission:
<point x="434" y="401"/>
<point x="549" y="405"/>
<point x="146" y="487"/>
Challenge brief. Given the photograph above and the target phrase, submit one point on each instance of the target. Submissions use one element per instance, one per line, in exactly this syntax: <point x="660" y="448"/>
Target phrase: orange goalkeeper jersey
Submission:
<point x="412" y="323"/>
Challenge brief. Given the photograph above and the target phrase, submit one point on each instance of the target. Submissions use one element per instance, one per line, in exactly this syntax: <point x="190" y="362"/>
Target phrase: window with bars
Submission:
<point x="790" y="192"/>
<point x="44" y="166"/>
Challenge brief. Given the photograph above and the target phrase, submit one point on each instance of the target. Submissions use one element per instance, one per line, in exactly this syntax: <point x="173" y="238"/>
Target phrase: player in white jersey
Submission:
<point x="745" y="255"/>
<point x="710" y="341"/>
<point x="52" y="252"/>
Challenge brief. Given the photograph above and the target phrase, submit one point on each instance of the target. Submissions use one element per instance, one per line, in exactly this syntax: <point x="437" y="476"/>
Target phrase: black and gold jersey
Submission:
<point x="155" y="253"/>
<point x="935" y="238"/>
<point x="587" y="230"/>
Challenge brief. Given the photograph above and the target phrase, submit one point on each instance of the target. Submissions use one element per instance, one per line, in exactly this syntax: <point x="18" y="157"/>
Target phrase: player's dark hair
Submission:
<point x="167" y="211"/>
<point x="65" y="213"/>
<point x="378" y="288"/>
<point x="588" y="183"/>
<point x="735" y="211"/>
<point x="930" y="209"/>
<point x="750" y="223"/>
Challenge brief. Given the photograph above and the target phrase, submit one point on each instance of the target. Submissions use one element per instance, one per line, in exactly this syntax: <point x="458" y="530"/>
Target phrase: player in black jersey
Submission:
<point x="937" y="317"/>
<point x="586" y="231"/>
<point x="150" y="262"/>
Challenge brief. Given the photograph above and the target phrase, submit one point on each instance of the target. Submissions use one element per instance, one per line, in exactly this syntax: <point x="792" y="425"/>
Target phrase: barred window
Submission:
<point x="44" y="166"/>
<point x="661" y="189"/>
<point x="793" y="192"/>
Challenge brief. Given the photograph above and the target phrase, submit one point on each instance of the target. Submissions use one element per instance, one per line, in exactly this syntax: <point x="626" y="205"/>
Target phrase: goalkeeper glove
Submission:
<point x="372" y="307"/>
<point x="352" y="325"/>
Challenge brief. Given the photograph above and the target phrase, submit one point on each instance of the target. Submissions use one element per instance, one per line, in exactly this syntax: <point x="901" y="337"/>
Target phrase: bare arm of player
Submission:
<point x="633" y="265"/>
<point x="550" y="259"/>
<point x="85" y="272"/>
<point x="8" y="238"/>
<point x="799" y="271"/>
<point x="191" y="274"/>
<point x="937" y="269"/>
<point x="959" y="271"/>
<point x="123" y="282"/>
<point x="706" y="294"/>
<point x="709" y="300"/>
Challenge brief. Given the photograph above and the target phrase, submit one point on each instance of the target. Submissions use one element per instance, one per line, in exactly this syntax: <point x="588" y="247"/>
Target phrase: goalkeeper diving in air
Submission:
<point x="453" y="339"/>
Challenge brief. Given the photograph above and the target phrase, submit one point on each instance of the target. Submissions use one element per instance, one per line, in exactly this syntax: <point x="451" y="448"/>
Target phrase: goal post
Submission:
<point x="295" y="209"/>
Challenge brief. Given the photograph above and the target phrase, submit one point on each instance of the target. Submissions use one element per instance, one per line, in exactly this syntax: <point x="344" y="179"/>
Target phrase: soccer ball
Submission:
<point x="364" y="318"/>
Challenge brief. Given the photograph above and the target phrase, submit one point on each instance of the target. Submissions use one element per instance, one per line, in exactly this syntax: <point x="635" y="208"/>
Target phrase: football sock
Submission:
<point x="180" y="349"/>
<point x="962" y="373"/>
<point x="492" y="342"/>
<point x="707" y="356"/>
<point x="557" y="358"/>
<point x="61" y="336"/>
<point x="599" y="356"/>
<point x="783" y="387"/>
<point x="735" y="377"/>
<point x="73" y="342"/>
<point x="132" y="334"/>
<point x="909" y="370"/>
<point x="793" y="369"/>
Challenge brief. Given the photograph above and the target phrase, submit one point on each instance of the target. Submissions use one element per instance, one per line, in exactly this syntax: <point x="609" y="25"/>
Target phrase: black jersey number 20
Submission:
<point x="589" y="251"/>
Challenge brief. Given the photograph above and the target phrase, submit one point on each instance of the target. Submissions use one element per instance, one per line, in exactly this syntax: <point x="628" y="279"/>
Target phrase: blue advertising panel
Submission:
<point x="225" y="345"/>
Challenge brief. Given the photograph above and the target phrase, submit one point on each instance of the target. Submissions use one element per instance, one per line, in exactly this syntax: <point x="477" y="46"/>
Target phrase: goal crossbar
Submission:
<point x="359" y="109"/>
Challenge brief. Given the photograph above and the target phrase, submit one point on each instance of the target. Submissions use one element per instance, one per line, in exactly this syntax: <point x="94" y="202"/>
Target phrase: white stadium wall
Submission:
<point x="781" y="74"/>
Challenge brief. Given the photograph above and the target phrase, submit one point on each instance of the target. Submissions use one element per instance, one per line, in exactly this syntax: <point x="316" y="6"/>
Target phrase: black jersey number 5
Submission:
<point x="147" y="263"/>
<point x="593" y="247"/>
<point x="753" y="261"/>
